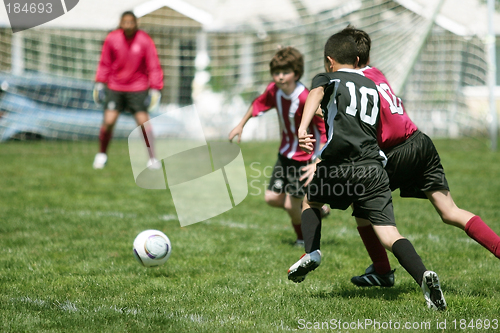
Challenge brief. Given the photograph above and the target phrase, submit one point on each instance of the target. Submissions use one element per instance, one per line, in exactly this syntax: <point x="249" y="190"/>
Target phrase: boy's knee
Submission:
<point x="274" y="199"/>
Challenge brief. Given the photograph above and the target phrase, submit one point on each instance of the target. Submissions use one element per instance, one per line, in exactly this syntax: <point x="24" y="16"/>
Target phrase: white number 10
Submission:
<point x="351" y="109"/>
<point x="394" y="102"/>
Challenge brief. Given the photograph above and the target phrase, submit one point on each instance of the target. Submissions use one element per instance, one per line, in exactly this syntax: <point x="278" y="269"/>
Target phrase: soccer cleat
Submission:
<point x="299" y="243"/>
<point x="432" y="291"/>
<point x="100" y="160"/>
<point x="373" y="279"/>
<point x="154" y="164"/>
<point x="308" y="262"/>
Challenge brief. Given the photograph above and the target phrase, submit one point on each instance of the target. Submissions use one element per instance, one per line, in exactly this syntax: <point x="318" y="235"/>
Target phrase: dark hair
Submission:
<point x="131" y="13"/>
<point x="363" y="43"/>
<point x="342" y="48"/>
<point x="288" y="57"/>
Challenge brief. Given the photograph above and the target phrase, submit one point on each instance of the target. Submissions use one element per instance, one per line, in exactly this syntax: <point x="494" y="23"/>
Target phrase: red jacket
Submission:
<point x="129" y="64"/>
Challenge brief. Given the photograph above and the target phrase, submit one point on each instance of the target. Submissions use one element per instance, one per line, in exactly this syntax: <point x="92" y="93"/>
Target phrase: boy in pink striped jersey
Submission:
<point x="288" y="96"/>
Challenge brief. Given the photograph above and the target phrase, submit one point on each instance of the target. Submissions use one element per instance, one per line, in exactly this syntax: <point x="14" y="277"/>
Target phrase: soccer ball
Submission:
<point x="152" y="248"/>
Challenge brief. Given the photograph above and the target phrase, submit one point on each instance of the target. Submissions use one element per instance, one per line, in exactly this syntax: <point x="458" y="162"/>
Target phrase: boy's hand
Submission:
<point x="308" y="174"/>
<point x="306" y="141"/>
<point x="236" y="132"/>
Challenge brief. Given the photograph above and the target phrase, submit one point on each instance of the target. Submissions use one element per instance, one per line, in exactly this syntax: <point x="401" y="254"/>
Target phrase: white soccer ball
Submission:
<point x="152" y="248"/>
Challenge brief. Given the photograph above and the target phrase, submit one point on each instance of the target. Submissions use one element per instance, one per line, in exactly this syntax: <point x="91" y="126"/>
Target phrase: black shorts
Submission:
<point x="414" y="166"/>
<point x="126" y="101"/>
<point x="366" y="186"/>
<point x="285" y="178"/>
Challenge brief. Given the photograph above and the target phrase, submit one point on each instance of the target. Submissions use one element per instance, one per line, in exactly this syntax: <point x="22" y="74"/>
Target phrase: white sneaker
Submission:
<point x="100" y="160"/>
<point x="307" y="263"/>
<point x="432" y="291"/>
<point x="154" y="164"/>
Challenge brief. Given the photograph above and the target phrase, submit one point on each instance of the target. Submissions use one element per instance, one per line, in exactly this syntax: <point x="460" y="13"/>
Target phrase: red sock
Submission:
<point x="104" y="139"/>
<point x="481" y="233"/>
<point x="375" y="249"/>
<point x="298" y="231"/>
<point x="149" y="139"/>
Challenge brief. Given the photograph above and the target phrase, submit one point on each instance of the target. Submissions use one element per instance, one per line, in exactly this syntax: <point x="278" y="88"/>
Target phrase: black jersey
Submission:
<point x="351" y="112"/>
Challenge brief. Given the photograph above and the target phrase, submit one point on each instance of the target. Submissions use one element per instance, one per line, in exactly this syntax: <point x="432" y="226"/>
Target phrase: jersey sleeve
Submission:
<point x="155" y="73"/>
<point x="104" y="67"/>
<point x="265" y="102"/>
<point x="320" y="80"/>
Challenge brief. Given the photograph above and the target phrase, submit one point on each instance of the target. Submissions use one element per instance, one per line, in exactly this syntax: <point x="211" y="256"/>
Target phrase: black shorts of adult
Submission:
<point x="126" y="101"/>
<point x="365" y="185"/>
<point x="285" y="177"/>
<point x="414" y="167"/>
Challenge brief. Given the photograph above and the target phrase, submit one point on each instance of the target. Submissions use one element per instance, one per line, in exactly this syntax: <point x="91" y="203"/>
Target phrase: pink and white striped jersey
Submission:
<point x="290" y="109"/>
<point x="395" y="126"/>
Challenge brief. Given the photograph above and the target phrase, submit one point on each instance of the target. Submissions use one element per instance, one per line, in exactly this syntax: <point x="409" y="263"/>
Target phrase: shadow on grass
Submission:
<point x="324" y="242"/>
<point x="375" y="293"/>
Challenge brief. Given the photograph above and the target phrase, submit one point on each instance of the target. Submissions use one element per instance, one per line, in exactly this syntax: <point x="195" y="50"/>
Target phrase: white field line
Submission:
<point x="166" y="217"/>
<point x="71" y="307"/>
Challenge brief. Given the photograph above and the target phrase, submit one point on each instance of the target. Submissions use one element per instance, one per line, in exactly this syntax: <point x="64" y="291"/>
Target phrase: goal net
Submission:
<point x="215" y="55"/>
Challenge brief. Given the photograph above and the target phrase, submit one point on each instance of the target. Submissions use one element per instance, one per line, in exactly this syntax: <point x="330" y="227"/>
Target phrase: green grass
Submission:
<point x="66" y="263"/>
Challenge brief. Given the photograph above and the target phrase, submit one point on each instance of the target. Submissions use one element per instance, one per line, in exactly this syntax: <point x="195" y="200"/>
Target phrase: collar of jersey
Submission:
<point x="349" y="70"/>
<point x="298" y="90"/>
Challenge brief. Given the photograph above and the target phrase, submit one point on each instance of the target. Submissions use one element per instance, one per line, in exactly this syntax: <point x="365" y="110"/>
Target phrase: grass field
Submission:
<point x="66" y="263"/>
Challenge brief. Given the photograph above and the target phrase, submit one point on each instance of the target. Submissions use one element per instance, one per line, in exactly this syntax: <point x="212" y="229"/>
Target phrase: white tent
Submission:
<point x="462" y="17"/>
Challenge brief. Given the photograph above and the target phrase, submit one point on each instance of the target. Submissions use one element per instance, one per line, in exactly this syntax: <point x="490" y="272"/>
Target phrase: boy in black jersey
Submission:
<point x="351" y="168"/>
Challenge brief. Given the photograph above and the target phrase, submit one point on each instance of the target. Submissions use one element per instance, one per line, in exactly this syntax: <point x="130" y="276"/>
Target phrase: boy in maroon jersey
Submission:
<point x="287" y="95"/>
<point x="130" y="69"/>
<point x="351" y="169"/>
<point x="414" y="167"/>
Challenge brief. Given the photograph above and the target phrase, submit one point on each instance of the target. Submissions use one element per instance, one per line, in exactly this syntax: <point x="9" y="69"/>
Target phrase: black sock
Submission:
<point x="311" y="229"/>
<point x="404" y="251"/>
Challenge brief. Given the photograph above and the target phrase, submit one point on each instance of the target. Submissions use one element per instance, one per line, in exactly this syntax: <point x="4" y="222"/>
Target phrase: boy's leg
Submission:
<point x="106" y="132"/>
<point x="373" y="246"/>
<point x="293" y="207"/>
<point x="379" y="273"/>
<point x="404" y="251"/>
<point x="472" y="224"/>
<point x="311" y="229"/>
<point x="275" y="199"/>
<point x="311" y="225"/>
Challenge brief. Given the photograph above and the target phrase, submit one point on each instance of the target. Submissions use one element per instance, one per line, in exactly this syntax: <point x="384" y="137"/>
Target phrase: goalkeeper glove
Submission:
<point x="99" y="93"/>
<point x="153" y="99"/>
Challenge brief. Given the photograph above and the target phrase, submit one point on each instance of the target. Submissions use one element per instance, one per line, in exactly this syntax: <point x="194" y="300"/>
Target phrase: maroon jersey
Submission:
<point x="394" y="126"/>
<point x="290" y="109"/>
<point x="129" y="64"/>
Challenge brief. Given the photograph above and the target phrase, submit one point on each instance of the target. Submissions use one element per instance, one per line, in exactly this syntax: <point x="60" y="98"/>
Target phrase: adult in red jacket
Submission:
<point x="129" y="78"/>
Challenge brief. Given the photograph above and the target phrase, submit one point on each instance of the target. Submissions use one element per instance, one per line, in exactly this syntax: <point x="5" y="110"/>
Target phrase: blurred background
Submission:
<point x="215" y="54"/>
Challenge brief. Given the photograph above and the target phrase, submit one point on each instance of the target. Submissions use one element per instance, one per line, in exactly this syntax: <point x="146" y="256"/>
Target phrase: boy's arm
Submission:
<point x="313" y="101"/>
<point x="239" y="128"/>
<point x="261" y="104"/>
